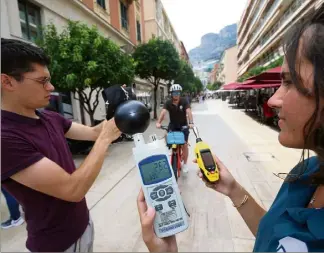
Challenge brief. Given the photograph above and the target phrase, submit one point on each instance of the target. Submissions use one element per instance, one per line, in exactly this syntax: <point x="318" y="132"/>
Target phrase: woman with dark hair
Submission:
<point x="295" y="221"/>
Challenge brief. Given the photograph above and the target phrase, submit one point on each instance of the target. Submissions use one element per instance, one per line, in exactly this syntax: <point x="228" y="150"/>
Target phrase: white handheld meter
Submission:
<point x="159" y="186"/>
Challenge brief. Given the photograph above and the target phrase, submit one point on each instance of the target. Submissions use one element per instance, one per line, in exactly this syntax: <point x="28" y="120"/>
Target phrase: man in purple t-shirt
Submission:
<point x="36" y="164"/>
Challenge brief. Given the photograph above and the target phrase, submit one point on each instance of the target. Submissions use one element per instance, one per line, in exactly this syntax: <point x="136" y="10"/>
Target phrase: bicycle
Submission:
<point x="175" y="140"/>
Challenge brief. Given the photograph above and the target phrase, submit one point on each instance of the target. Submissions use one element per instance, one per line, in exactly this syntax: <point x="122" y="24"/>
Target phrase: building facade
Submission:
<point x="213" y="74"/>
<point x="158" y="24"/>
<point x="120" y="20"/>
<point x="184" y="54"/>
<point x="227" y="71"/>
<point x="262" y="28"/>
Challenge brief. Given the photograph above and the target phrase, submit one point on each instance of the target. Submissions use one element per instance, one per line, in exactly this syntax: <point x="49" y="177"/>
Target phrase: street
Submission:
<point x="250" y="151"/>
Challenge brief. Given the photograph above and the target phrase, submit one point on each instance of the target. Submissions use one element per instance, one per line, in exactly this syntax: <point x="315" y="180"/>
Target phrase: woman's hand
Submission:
<point x="250" y="210"/>
<point x="226" y="184"/>
<point x="153" y="243"/>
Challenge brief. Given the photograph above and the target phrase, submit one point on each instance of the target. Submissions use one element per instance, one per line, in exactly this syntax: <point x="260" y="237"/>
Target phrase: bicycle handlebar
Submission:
<point x="166" y="128"/>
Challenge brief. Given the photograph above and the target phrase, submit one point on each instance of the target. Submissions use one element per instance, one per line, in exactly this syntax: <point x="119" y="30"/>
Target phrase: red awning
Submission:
<point x="230" y="86"/>
<point x="254" y="84"/>
<point x="271" y="74"/>
<point x="248" y="82"/>
<point x="251" y="84"/>
<point x="260" y="86"/>
<point x="274" y="70"/>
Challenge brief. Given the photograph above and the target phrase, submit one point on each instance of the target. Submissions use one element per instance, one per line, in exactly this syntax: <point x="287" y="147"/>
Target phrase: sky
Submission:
<point x="192" y="19"/>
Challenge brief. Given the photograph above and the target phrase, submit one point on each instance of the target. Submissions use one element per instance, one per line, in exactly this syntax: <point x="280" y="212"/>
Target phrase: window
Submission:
<point x="138" y="26"/>
<point x="124" y="16"/>
<point x="102" y="3"/>
<point x="29" y="20"/>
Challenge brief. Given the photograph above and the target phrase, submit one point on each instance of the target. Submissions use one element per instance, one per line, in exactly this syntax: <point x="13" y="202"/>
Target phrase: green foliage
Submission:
<point x="158" y="59"/>
<point x="197" y="85"/>
<point x="258" y="70"/>
<point x="214" y="86"/>
<point x="209" y="86"/>
<point x="185" y="77"/>
<point x="83" y="59"/>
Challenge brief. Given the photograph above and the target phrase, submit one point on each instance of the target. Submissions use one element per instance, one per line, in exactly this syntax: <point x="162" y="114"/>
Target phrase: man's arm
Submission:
<point x="48" y="177"/>
<point x="162" y="115"/>
<point x="189" y="113"/>
<point x="84" y="133"/>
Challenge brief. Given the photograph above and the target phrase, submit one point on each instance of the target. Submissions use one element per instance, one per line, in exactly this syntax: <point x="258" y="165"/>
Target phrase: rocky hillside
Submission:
<point x="213" y="44"/>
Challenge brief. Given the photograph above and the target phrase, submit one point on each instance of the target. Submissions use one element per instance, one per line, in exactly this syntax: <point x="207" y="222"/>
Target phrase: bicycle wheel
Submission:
<point x="174" y="162"/>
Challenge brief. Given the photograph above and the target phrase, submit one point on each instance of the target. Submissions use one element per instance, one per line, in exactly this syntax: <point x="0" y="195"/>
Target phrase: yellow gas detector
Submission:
<point x="205" y="159"/>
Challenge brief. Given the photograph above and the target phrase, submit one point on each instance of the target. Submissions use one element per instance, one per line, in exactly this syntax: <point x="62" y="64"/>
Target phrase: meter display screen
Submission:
<point x="207" y="158"/>
<point x="155" y="171"/>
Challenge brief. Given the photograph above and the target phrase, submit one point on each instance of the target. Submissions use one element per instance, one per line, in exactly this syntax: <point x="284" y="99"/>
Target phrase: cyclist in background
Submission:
<point x="178" y="108"/>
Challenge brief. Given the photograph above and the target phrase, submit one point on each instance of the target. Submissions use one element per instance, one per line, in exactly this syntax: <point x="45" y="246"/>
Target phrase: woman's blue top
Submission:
<point x="289" y="226"/>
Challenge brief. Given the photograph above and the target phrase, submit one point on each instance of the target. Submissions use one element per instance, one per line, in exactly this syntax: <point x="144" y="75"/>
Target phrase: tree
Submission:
<point x="197" y="85"/>
<point x="217" y="85"/>
<point x="84" y="62"/>
<point x="209" y="86"/>
<point x="185" y="77"/>
<point x="154" y="61"/>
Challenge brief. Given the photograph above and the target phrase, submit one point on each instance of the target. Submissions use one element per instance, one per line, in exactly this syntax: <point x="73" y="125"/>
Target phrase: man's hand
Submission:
<point x="191" y="126"/>
<point x="158" y="125"/>
<point x="109" y="131"/>
<point x="153" y="243"/>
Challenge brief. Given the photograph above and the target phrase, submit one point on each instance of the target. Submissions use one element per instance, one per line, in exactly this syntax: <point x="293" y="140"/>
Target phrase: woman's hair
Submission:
<point x="311" y="30"/>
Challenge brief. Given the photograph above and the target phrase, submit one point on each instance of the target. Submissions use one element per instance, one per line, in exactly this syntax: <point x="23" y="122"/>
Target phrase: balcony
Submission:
<point x="282" y="22"/>
<point x="245" y="25"/>
<point x="278" y="29"/>
<point x="258" y="11"/>
<point x="265" y="19"/>
<point x="254" y="21"/>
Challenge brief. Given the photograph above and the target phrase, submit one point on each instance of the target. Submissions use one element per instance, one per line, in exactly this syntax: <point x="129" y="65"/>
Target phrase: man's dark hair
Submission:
<point x="17" y="57"/>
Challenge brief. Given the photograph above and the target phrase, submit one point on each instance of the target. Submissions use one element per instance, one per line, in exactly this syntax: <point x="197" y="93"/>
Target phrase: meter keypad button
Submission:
<point x="165" y="198"/>
<point x="158" y="207"/>
<point x="172" y="203"/>
<point x="169" y="190"/>
<point x="161" y="193"/>
<point x="153" y="195"/>
<point x="160" y="187"/>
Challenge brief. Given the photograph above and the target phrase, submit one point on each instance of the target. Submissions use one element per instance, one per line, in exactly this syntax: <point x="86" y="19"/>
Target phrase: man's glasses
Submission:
<point x="44" y="82"/>
<point x="175" y="93"/>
